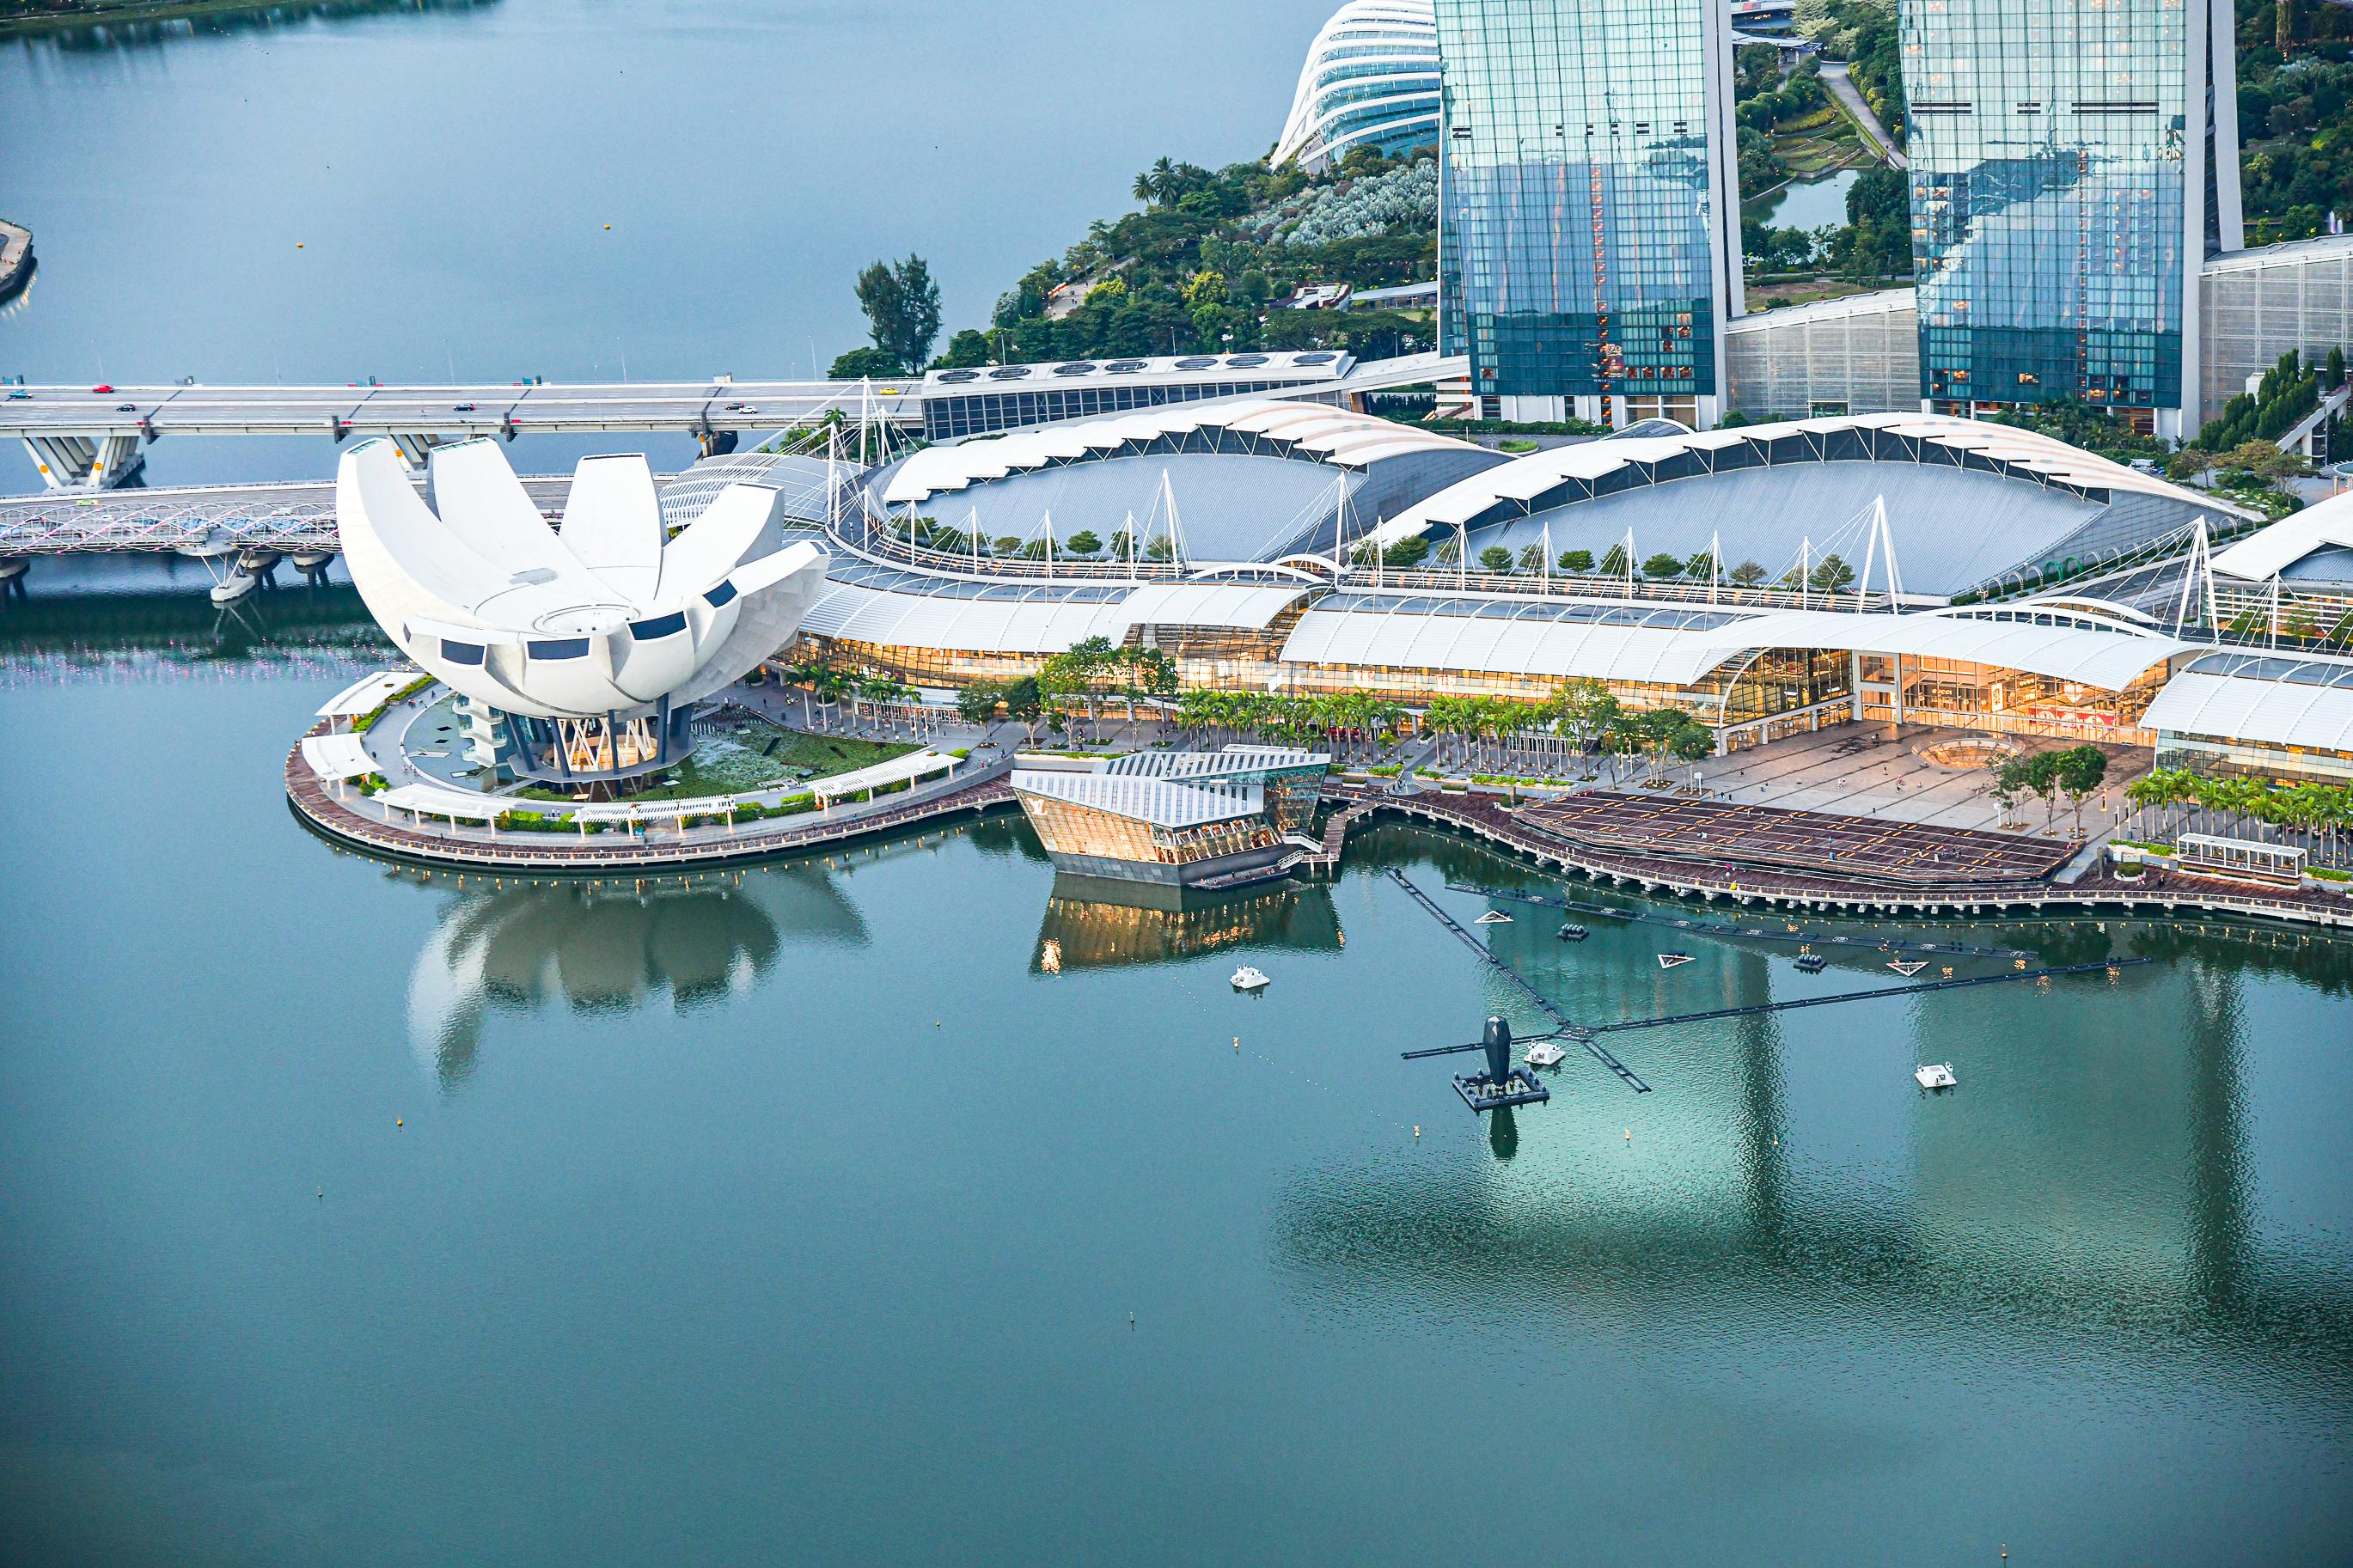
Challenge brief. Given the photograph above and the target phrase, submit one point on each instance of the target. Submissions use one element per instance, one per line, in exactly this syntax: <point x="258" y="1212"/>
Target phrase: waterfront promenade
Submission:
<point x="2156" y="893"/>
<point x="345" y="818"/>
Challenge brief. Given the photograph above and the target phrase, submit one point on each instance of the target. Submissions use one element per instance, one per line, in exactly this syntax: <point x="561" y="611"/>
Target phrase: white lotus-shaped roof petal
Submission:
<point x="606" y="618"/>
<point x="612" y="523"/>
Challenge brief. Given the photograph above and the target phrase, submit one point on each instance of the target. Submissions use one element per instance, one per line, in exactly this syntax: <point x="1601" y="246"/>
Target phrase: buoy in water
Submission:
<point x="398" y="1121"/>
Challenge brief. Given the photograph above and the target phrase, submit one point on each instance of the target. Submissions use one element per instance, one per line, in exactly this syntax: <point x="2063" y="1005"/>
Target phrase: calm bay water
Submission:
<point x="799" y="1215"/>
<point x="449" y="174"/>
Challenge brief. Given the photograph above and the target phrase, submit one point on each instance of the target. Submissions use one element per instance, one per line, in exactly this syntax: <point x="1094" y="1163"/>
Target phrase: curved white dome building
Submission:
<point x="591" y="649"/>
<point x="1370" y="81"/>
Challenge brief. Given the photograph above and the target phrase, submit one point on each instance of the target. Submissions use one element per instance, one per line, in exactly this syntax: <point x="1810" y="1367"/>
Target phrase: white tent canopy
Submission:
<point x="335" y="758"/>
<point x="898" y="770"/>
<point x="365" y="695"/>
<point x="429" y="800"/>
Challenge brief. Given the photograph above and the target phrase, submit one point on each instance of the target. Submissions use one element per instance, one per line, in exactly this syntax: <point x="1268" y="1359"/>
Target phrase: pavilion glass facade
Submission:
<point x="1577" y="197"/>
<point x="2053" y="168"/>
<point x="1067" y="828"/>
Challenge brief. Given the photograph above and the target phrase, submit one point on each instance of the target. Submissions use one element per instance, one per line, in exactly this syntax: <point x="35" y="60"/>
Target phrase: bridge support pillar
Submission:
<point x="416" y="450"/>
<point x="85" y="462"/>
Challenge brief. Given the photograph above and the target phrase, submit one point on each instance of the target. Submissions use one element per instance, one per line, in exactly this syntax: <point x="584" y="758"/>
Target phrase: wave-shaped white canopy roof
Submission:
<point x="1041" y="618"/>
<point x="1538" y="638"/>
<point x="1526" y="478"/>
<point x="1313" y="430"/>
<point x="2279" y="701"/>
<point x="2266" y="554"/>
<point x="608" y="619"/>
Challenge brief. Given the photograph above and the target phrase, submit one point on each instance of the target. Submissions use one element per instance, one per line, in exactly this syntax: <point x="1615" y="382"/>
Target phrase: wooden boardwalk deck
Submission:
<point x="2154" y="894"/>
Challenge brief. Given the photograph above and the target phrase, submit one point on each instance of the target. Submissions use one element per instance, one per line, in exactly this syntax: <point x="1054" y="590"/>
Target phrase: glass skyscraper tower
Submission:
<point x="1589" y="242"/>
<point x="2073" y="163"/>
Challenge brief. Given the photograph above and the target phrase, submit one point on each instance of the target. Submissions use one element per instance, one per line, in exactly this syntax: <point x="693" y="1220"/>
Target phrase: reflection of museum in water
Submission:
<point x="595" y="949"/>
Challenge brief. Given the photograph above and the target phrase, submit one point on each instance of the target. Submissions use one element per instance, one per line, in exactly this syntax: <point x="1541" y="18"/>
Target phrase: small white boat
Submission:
<point x="1669" y="960"/>
<point x="1493" y="918"/>
<point x="1545" y="1054"/>
<point x="1249" y="978"/>
<point x="1935" y="1075"/>
<point x="235" y="586"/>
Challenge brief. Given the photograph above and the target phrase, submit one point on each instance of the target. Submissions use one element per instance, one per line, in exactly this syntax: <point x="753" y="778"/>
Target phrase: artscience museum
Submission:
<point x="578" y="652"/>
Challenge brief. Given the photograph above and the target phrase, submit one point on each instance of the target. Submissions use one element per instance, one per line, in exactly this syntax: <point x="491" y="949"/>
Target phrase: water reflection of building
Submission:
<point x="1092" y="923"/>
<point x="595" y="950"/>
<point x="2108" y="1171"/>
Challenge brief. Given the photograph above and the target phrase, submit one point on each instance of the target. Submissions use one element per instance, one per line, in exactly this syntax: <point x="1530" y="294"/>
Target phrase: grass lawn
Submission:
<point x="749" y="754"/>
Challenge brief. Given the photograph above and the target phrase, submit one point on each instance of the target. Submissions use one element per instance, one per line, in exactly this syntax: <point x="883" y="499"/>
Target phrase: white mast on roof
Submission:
<point x="2200" y="561"/>
<point x="1870" y="552"/>
<point x="1176" y="524"/>
<point x="1715" y="563"/>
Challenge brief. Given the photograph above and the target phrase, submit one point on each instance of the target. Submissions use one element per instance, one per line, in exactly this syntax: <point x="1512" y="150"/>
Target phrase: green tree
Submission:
<point x="1082" y="543"/>
<point x="859" y="363"/>
<point x="1406" y="554"/>
<point x="1831" y="575"/>
<point x="2079" y="774"/>
<point x="1494" y="558"/>
<point x="1662" y="566"/>
<point x="1613" y="561"/>
<point x="1578" y="561"/>
<point x="968" y="350"/>
<point x="1026" y="702"/>
<point x="1205" y="288"/>
<point x="976" y="703"/>
<point x="2040" y="774"/>
<point x="1585" y="710"/>
<point x="903" y="309"/>
<point x="1747" y="574"/>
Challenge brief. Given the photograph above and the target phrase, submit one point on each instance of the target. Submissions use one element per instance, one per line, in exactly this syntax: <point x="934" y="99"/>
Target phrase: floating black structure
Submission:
<point x="1501" y="1084"/>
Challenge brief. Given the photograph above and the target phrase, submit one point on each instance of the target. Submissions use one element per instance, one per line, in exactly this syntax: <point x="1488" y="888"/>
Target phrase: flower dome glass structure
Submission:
<point x="591" y="648"/>
<point x="1370" y="81"/>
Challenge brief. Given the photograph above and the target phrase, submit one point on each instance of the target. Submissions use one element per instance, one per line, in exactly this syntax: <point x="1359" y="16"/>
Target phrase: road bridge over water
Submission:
<point x="85" y="439"/>
<point x="82" y="439"/>
<point x="195" y="520"/>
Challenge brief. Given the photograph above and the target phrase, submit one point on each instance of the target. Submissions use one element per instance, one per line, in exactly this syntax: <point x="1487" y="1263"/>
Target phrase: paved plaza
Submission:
<point x="1864" y="770"/>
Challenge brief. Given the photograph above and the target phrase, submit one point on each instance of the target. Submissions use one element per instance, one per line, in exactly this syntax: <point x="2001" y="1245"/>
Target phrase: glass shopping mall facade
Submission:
<point x="2062" y="203"/>
<point x="1585" y="215"/>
